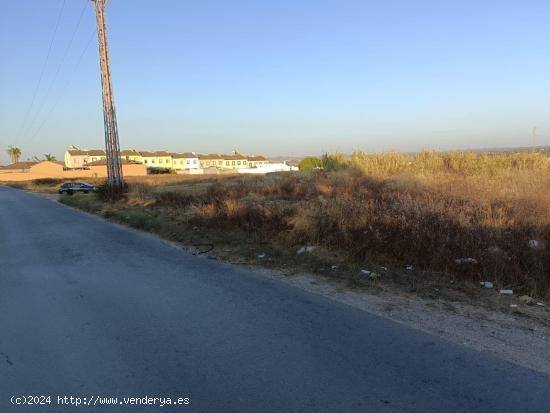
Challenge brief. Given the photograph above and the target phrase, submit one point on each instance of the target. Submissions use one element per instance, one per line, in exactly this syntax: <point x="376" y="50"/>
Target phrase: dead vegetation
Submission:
<point x="423" y="217"/>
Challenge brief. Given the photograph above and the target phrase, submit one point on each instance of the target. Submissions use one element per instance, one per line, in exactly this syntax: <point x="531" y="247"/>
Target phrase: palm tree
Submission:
<point x="14" y="153"/>
<point x="49" y="157"/>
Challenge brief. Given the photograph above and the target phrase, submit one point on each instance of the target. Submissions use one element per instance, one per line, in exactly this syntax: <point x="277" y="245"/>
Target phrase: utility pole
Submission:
<point x="112" y="146"/>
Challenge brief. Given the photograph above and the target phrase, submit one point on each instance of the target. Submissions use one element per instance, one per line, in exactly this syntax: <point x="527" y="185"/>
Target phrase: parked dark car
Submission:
<point x="70" y="188"/>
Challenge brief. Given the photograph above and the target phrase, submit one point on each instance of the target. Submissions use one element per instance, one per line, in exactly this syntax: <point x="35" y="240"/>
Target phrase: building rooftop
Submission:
<point x="256" y="158"/>
<point x="148" y="154"/>
<point x="184" y="155"/>
<point x="210" y="156"/>
<point x="176" y="155"/>
<point x="91" y="152"/>
<point x="236" y="156"/>
<point x="129" y="152"/>
<point x="20" y="165"/>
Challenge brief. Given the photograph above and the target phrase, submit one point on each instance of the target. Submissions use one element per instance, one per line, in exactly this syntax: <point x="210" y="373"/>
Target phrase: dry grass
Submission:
<point x="424" y="212"/>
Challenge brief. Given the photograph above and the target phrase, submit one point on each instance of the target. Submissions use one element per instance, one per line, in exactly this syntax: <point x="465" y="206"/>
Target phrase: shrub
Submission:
<point x="47" y="181"/>
<point x="334" y="162"/>
<point x="174" y="199"/>
<point x="139" y="191"/>
<point x="466" y="163"/>
<point x="103" y="192"/>
<point x="310" y="163"/>
<point x="159" y="171"/>
<point x="425" y="210"/>
<point x="426" y="222"/>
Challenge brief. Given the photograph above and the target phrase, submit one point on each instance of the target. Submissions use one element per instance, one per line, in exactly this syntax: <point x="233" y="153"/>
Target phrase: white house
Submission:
<point x="185" y="160"/>
<point x="268" y="168"/>
<point x="157" y="159"/>
<point x="78" y="158"/>
<point x="255" y="161"/>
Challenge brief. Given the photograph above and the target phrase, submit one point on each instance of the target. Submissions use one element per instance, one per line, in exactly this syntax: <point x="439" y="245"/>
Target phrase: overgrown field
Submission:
<point x="427" y="211"/>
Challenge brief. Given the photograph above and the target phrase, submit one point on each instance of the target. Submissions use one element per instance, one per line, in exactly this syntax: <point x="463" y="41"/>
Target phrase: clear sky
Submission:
<point x="281" y="77"/>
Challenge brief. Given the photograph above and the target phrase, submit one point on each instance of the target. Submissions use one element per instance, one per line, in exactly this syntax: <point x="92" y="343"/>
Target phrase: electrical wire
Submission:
<point x="58" y="70"/>
<point x="54" y="35"/>
<point x="67" y="85"/>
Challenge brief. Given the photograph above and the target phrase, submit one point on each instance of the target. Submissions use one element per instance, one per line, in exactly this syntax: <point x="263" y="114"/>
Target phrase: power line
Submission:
<point x="71" y="76"/>
<point x="23" y="125"/>
<point x="58" y="70"/>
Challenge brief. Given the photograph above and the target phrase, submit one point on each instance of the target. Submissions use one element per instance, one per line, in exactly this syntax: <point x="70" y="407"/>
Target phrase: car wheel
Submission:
<point x="70" y="192"/>
<point x="85" y="192"/>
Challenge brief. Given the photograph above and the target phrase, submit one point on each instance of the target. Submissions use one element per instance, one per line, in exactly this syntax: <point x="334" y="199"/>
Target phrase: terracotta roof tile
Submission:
<point x="20" y="165"/>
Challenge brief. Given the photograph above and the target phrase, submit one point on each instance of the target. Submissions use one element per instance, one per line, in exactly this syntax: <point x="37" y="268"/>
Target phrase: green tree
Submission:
<point x="49" y="157"/>
<point x="310" y="163"/>
<point x="14" y="153"/>
<point x="334" y="162"/>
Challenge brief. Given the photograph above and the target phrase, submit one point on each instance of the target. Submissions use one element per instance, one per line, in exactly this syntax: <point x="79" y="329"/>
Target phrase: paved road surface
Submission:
<point x="91" y="309"/>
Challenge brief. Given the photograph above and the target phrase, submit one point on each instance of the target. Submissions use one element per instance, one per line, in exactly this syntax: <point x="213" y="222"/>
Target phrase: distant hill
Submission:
<point x="291" y="160"/>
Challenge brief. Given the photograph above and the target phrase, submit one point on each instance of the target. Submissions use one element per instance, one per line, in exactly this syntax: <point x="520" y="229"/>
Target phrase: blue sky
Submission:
<point x="278" y="77"/>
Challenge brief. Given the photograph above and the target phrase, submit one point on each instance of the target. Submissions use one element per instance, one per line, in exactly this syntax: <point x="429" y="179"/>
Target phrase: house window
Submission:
<point x="145" y="160"/>
<point x="226" y="163"/>
<point x="195" y="161"/>
<point x="232" y="162"/>
<point x="152" y="161"/>
<point x="244" y="162"/>
<point x="160" y="160"/>
<point x="94" y="159"/>
<point x="238" y="162"/>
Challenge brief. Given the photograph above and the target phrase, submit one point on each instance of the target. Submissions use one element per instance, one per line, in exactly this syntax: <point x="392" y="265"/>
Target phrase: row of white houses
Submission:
<point x="80" y="158"/>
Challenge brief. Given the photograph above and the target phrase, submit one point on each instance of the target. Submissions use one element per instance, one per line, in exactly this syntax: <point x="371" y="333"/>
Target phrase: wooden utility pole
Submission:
<point x="112" y="147"/>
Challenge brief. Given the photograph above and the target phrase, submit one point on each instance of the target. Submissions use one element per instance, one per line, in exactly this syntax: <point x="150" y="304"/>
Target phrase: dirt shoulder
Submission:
<point x="461" y="312"/>
<point x="521" y="336"/>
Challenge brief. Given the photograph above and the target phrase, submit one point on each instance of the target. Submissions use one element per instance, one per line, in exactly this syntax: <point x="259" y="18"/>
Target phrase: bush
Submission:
<point x="466" y="163"/>
<point x="423" y="222"/>
<point x="139" y="191"/>
<point x="104" y="194"/>
<point x="159" y="171"/>
<point x="334" y="162"/>
<point x="426" y="210"/>
<point x="173" y="199"/>
<point x="310" y="163"/>
<point x="47" y="181"/>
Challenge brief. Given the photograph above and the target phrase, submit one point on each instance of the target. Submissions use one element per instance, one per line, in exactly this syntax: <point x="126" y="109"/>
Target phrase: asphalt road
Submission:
<point x="89" y="309"/>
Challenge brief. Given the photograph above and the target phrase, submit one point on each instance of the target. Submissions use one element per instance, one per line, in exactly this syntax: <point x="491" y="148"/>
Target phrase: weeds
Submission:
<point x="397" y="220"/>
<point x="424" y="210"/>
